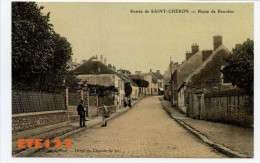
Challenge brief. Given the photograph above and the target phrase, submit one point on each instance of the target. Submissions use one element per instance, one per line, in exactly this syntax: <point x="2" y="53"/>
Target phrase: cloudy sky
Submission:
<point x="144" y="41"/>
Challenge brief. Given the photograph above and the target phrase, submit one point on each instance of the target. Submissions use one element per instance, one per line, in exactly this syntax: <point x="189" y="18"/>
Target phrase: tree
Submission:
<point x="141" y="82"/>
<point x="39" y="55"/>
<point x="128" y="89"/>
<point x="240" y="68"/>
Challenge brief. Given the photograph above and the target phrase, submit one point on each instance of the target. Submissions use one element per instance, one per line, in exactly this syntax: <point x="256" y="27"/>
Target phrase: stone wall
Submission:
<point x="231" y="109"/>
<point x="227" y="108"/>
<point x="27" y="121"/>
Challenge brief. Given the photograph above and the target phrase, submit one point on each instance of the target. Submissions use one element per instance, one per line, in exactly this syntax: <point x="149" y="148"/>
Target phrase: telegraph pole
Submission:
<point x="171" y="80"/>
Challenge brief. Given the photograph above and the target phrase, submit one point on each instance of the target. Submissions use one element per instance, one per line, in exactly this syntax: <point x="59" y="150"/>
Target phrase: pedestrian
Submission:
<point x="81" y="113"/>
<point x="105" y="115"/>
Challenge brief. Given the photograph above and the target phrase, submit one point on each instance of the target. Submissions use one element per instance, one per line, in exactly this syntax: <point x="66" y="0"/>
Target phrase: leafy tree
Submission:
<point x="128" y="89"/>
<point x="240" y="68"/>
<point x="39" y="55"/>
<point x="141" y="82"/>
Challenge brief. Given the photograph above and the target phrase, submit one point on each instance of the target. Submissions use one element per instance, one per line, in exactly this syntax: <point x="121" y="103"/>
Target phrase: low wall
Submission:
<point x="232" y="109"/>
<point x="27" y="121"/>
<point x="227" y="106"/>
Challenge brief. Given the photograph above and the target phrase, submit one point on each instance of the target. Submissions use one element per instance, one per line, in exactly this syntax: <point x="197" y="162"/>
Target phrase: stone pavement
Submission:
<point x="146" y="130"/>
<point x="229" y="139"/>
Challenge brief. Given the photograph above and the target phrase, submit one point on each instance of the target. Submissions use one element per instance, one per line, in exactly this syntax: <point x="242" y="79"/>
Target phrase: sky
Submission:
<point x="144" y="41"/>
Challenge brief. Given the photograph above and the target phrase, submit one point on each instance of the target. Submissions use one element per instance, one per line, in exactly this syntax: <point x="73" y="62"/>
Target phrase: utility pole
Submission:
<point x="171" y="81"/>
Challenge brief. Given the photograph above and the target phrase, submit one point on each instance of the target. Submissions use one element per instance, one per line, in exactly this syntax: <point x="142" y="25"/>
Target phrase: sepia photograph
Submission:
<point x="132" y="80"/>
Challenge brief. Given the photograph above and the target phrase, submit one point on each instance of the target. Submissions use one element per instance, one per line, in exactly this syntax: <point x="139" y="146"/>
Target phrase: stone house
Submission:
<point x="200" y="72"/>
<point x="96" y="72"/>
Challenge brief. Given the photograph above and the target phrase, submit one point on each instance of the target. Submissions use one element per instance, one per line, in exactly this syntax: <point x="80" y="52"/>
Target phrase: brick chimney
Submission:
<point x="194" y="48"/>
<point x="217" y="41"/>
<point x="188" y="55"/>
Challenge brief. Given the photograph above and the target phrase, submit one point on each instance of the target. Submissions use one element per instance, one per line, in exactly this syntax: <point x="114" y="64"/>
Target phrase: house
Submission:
<point x="167" y="78"/>
<point x="96" y="72"/>
<point x="157" y="83"/>
<point x="200" y="72"/>
<point x="142" y="91"/>
<point x="135" y="89"/>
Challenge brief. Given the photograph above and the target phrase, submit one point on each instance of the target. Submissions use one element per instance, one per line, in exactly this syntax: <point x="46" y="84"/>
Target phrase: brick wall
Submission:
<point x="26" y="121"/>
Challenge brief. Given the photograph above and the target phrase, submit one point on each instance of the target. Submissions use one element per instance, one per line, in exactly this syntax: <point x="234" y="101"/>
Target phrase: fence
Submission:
<point x="222" y="107"/>
<point x="26" y="102"/>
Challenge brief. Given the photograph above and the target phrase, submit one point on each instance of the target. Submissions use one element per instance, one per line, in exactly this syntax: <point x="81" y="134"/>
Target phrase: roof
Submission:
<point x="154" y="78"/>
<point x="167" y="75"/>
<point x="92" y="66"/>
<point x="126" y="78"/>
<point x="131" y="76"/>
<point x="186" y="68"/>
<point x="158" y="75"/>
<point x="203" y="65"/>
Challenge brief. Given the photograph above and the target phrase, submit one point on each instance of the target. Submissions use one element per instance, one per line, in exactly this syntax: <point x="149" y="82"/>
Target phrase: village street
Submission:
<point x="146" y="130"/>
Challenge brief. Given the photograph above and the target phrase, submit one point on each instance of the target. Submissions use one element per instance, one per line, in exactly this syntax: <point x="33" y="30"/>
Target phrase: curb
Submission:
<point x="30" y="151"/>
<point x="224" y="150"/>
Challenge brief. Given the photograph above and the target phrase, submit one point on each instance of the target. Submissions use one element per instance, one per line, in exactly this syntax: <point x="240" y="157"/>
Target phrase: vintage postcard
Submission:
<point x="132" y="79"/>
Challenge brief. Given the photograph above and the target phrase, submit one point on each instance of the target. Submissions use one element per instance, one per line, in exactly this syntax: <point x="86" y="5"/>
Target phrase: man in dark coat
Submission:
<point x="81" y="113"/>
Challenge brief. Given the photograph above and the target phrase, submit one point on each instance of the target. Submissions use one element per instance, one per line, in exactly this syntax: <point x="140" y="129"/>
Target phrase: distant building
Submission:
<point x="157" y="83"/>
<point x="167" y="78"/>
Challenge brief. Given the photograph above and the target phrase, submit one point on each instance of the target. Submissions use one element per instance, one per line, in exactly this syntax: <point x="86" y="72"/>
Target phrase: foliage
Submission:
<point x="225" y="93"/>
<point x="71" y="80"/>
<point x="212" y="69"/>
<point x="240" y="68"/>
<point x="128" y="89"/>
<point x="101" y="90"/>
<point x="141" y="82"/>
<point x="39" y="55"/>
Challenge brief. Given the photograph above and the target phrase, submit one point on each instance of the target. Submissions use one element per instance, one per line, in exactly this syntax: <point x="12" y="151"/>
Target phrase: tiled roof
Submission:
<point x="126" y="78"/>
<point x="93" y="67"/>
<point x="154" y="78"/>
<point x="203" y="65"/>
<point x="186" y="68"/>
<point x="157" y="75"/>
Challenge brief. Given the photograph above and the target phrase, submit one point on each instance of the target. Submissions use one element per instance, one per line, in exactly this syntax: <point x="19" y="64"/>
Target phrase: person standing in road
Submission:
<point x="105" y="115"/>
<point x="81" y="113"/>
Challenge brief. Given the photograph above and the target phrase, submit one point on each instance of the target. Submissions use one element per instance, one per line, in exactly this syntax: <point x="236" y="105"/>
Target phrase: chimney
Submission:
<point x="188" y="55"/>
<point x="217" y="41"/>
<point x="151" y="70"/>
<point x="101" y="58"/>
<point x="206" y="54"/>
<point x="194" y="48"/>
<point x="114" y="68"/>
